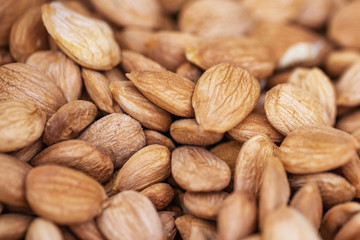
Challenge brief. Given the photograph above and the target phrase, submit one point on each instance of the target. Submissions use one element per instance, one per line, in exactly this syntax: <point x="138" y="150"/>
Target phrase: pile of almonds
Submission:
<point x="180" y="119"/>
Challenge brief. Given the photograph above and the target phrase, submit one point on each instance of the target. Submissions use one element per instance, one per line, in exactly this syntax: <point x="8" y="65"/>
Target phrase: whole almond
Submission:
<point x="134" y="38"/>
<point x="350" y="230"/>
<point x="160" y="194"/>
<point x="228" y="152"/>
<point x="350" y="122"/>
<point x="189" y="71"/>
<point x="187" y="131"/>
<point x="132" y="60"/>
<point x="161" y="87"/>
<point x="93" y="47"/>
<point x="117" y="135"/>
<point x="130" y="215"/>
<point x="224" y="95"/>
<point x="61" y="69"/>
<point x="115" y="74"/>
<point x="196" y="169"/>
<point x="237" y="216"/>
<point x="188" y="225"/>
<point x="337" y="61"/>
<point x="288" y="107"/>
<point x="69" y="121"/>
<point x="14" y="226"/>
<point x="64" y="195"/>
<point x="346" y="87"/>
<point x="13" y="171"/>
<point x="42" y="229"/>
<point x="351" y="171"/>
<point x="154" y="137"/>
<point x="79" y="155"/>
<point x="22" y="82"/>
<point x="21" y="124"/>
<point x="139" y="107"/>
<point x="87" y="230"/>
<point x="147" y="166"/>
<point x="168" y="223"/>
<point x="27" y="153"/>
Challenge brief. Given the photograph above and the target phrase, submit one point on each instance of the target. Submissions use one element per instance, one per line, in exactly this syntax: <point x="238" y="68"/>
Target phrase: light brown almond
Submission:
<point x="187" y="131"/>
<point x="130" y="215"/>
<point x="115" y="74"/>
<point x="87" y="230"/>
<point x="134" y="38"/>
<point x="288" y="107"/>
<point x="93" y="47"/>
<point x="64" y="195"/>
<point x="350" y="230"/>
<point x="350" y="122"/>
<point x="168" y="223"/>
<point x="188" y="225"/>
<point x="160" y="194"/>
<point x="61" y="69"/>
<point x="27" y="153"/>
<point x="337" y="61"/>
<point x="161" y="87"/>
<point x="69" y="121"/>
<point x="139" y="107"/>
<point x="278" y="78"/>
<point x="189" y="71"/>
<point x="196" y="169"/>
<point x="224" y="95"/>
<point x="117" y="135"/>
<point x="14" y="226"/>
<point x="147" y="166"/>
<point x="228" y="152"/>
<point x="132" y="60"/>
<point x="346" y="87"/>
<point x="154" y="137"/>
<point x="21" y="124"/>
<point x="351" y="171"/>
<point x="42" y="229"/>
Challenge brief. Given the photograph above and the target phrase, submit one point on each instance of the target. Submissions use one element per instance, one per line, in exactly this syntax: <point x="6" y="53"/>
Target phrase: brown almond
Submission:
<point x="93" y="47"/>
<point x="237" y="216"/>
<point x="350" y="122"/>
<point x="347" y="85"/>
<point x="188" y="131"/>
<point x="161" y="87"/>
<point x="12" y="182"/>
<point x="333" y="188"/>
<point x="22" y="82"/>
<point x="79" y="155"/>
<point x="205" y="205"/>
<point x="27" y="153"/>
<point x="244" y="52"/>
<point x="278" y="78"/>
<point x="351" y="171"/>
<point x="254" y="124"/>
<point x="28" y="35"/>
<point x="64" y="195"/>
<point x="87" y="230"/>
<point x="61" y="69"/>
<point x="14" y="226"/>
<point x="168" y="223"/>
<point x="350" y="230"/>
<point x="288" y="107"/>
<point x="189" y="71"/>
<point x="307" y="200"/>
<point x="224" y="95"/>
<point x="160" y="194"/>
<point x="337" y="61"/>
<point x="154" y="137"/>
<point x="69" y="121"/>
<point x="196" y="169"/>
<point x="117" y="135"/>
<point x="188" y="225"/>
<point x="42" y="229"/>
<point x="132" y="60"/>
<point x="109" y="185"/>
<point x="228" y="152"/>
<point x="251" y="163"/>
<point x="311" y="149"/>
<point x="130" y="215"/>
<point x="134" y="38"/>
<point x="21" y="124"/>
<point x="139" y="107"/>
<point x="115" y="74"/>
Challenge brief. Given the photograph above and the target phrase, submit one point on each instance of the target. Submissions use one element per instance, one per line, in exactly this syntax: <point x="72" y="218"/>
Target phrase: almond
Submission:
<point x="168" y="223"/>
<point x="351" y="171"/>
<point x="27" y="153"/>
<point x="41" y="229"/>
<point x="154" y="137"/>
<point x="87" y="230"/>
<point x="347" y="86"/>
<point x="188" y="225"/>
<point x="337" y="61"/>
<point x="132" y="60"/>
<point x="14" y="226"/>
<point x="350" y="230"/>
<point x="64" y="195"/>
<point x="350" y="122"/>
<point x="160" y="194"/>
<point x="134" y="38"/>
<point x="224" y="95"/>
<point x="115" y="74"/>
<point x="228" y="152"/>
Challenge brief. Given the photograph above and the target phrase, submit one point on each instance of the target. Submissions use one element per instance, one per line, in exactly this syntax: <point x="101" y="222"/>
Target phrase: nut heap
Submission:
<point x="180" y="119"/>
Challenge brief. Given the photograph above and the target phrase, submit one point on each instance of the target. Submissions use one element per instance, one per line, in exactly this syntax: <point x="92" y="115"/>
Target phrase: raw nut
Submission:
<point x="109" y="185"/>
<point x="350" y="230"/>
<point x="307" y="200"/>
<point x="336" y="217"/>
<point x="168" y="223"/>
<point x="69" y="121"/>
<point x="192" y="228"/>
<point x="160" y="194"/>
<point x="93" y="47"/>
<point x="350" y="122"/>
<point x="189" y="71"/>
<point x="278" y="78"/>
<point x="336" y="62"/>
<point x="254" y="124"/>
<point x="205" y="205"/>
<point x="198" y="170"/>
<point x="154" y="137"/>
<point x="115" y="74"/>
<point x="224" y="95"/>
<point x="134" y="39"/>
<point x="320" y="86"/>
<point x="79" y="155"/>
<point x="87" y="230"/>
<point x="311" y="149"/>
<point x="42" y="229"/>
<point x="139" y="107"/>
<point x="346" y="87"/>
<point x="288" y="107"/>
<point x="333" y="188"/>
<point x="61" y="69"/>
<point x="244" y="52"/>
<point x="64" y="195"/>
<point x="21" y="124"/>
<point x="12" y="180"/>
<point x="27" y="153"/>
<point x="351" y="171"/>
<point x="132" y="60"/>
<point x="28" y="35"/>
<point x="237" y="216"/>
<point x="228" y="152"/>
<point x="117" y="135"/>
<point x="251" y="163"/>
<point x="14" y="226"/>
<point x="147" y="166"/>
<point x="130" y="215"/>
<point x="22" y="82"/>
<point x="97" y="86"/>
<point x="161" y="87"/>
<point x="188" y="131"/>
<point x="287" y="223"/>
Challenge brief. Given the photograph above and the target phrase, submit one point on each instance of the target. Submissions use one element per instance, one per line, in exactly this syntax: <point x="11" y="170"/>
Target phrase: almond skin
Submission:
<point x="160" y="194"/>
<point x="224" y="95"/>
<point x="64" y="195"/>
<point x="147" y="166"/>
